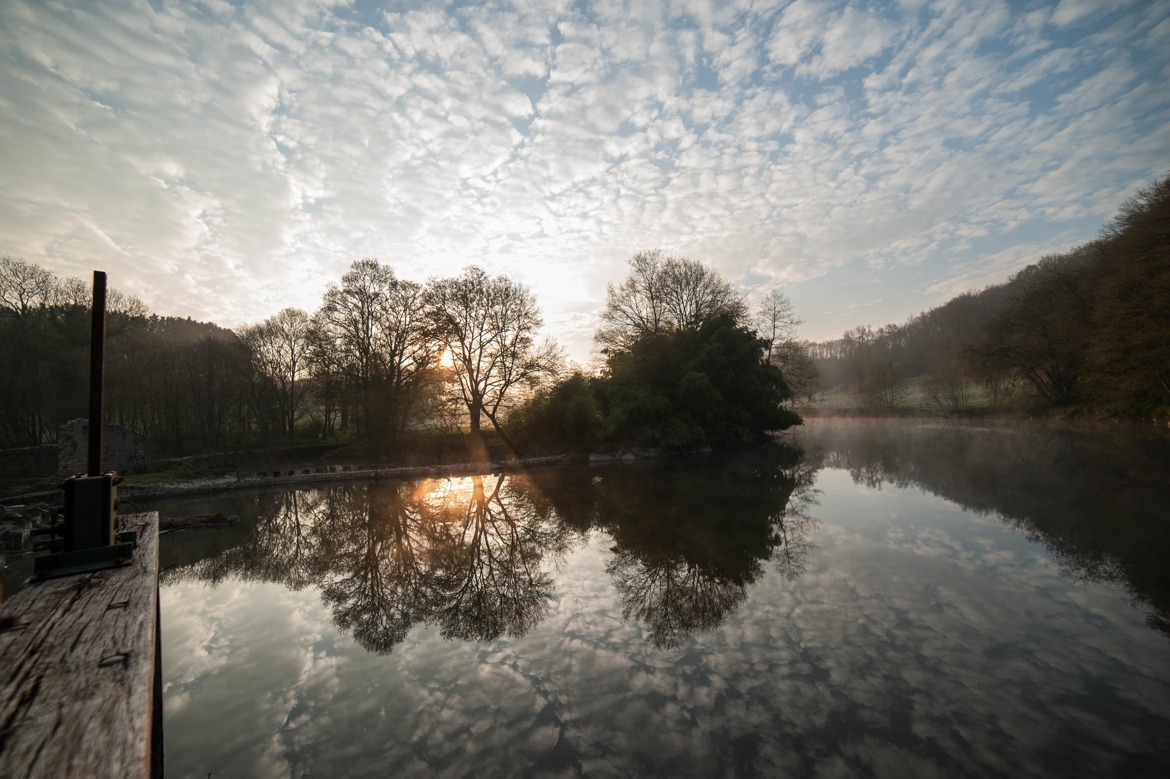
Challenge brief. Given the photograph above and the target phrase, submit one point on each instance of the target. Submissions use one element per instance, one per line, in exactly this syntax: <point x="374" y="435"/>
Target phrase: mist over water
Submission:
<point x="901" y="598"/>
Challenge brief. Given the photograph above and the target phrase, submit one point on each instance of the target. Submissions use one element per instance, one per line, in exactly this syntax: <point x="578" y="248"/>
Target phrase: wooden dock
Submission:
<point x="80" y="671"/>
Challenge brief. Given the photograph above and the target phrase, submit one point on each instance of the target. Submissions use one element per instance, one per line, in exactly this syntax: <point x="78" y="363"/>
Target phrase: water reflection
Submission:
<point x="476" y="556"/>
<point x="677" y="619"/>
<point x="1095" y="497"/>
<point x="490" y="575"/>
<point x="468" y="555"/>
<point x="689" y="542"/>
<point x="380" y="565"/>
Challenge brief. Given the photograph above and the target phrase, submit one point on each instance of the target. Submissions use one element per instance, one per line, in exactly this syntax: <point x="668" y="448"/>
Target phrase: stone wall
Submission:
<point x="31" y="460"/>
<point x="123" y="450"/>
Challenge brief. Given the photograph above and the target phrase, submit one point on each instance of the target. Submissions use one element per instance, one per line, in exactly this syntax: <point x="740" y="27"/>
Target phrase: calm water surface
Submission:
<point x="903" y="599"/>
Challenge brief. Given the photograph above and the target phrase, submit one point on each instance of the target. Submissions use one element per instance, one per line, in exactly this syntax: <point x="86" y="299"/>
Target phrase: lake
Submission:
<point x="899" y="599"/>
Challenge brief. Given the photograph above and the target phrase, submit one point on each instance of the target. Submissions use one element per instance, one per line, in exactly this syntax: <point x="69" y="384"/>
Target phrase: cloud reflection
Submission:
<point x="915" y="639"/>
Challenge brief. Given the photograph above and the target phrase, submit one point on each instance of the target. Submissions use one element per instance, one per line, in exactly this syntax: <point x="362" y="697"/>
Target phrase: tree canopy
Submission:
<point x="489" y="325"/>
<point x="376" y="338"/>
<point x="695" y="385"/>
<point x="664" y="293"/>
<point x="683" y="368"/>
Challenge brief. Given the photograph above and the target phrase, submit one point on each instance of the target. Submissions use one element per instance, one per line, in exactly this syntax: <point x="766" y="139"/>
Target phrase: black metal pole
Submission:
<point x="97" y="353"/>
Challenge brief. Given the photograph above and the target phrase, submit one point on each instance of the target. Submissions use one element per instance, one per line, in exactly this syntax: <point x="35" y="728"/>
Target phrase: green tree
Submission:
<point x="705" y="384"/>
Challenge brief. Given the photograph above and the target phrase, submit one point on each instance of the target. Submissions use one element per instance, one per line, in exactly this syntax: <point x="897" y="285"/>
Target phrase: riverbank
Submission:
<point x="849" y="407"/>
<point x="921" y="396"/>
<point x="303" y="476"/>
<point x="156" y="485"/>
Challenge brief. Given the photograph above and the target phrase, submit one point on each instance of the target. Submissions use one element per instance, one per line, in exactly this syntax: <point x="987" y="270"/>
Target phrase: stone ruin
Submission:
<point x="123" y="449"/>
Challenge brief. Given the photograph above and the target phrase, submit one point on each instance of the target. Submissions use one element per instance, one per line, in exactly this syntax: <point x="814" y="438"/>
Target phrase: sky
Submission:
<point x="225" y="160"/>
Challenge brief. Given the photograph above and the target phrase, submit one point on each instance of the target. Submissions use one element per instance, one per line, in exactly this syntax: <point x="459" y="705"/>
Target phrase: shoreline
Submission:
<point x="319" y="474"/>
<point x="301" y="476"/>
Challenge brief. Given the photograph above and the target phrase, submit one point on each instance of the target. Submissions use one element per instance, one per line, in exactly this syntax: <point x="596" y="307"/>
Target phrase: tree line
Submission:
<point x="367" y="362"/>
<point x="685" y="363"/>
<point x="384" y="359"/>
<point x="1087" y="328"/>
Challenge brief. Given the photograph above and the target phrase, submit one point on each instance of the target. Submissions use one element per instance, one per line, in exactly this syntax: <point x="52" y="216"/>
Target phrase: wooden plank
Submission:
<point x="78" y="671"/>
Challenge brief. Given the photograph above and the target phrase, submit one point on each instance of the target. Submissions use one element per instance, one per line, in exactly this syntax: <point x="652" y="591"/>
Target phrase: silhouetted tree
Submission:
<point x="490" y="325"/>
<point x="44" y="342"/>
<point x="25" y="287"/>
<point x="279" y="351"/>
<point x="375" y="328"/>
<point x="708" y="384"/>
<point x="562" y="418"/>
<point x="663" y="294"/>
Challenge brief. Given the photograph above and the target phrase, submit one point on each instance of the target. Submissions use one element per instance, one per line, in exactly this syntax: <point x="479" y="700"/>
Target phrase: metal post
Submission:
<point x="97" y="353"/>
<point x="88" y="539"/>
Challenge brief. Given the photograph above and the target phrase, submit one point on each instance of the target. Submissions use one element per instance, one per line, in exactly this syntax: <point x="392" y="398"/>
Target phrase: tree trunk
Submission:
<point x="504" y="436"/>
<point x="475" y="410"/>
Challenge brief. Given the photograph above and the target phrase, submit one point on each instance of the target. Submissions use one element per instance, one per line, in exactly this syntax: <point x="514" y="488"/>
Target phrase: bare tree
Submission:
<point x="663" y="293"/>
<point x="870" y="355"/>
<point x="24" y="286"/>
<point x="1043" y="332"/>
<point x="776" y="319"/>
<point x="29" y="352"/>
<point x="328" y="368"/>
<point x="948" y="386"/>
<point x="776" y="322"/>
<point x="73" y="291"/>
<point x="279" y="350"/>
<point x="792" y="357"/>
<point x="490" y="324"/>
<point x="377" y="326"/>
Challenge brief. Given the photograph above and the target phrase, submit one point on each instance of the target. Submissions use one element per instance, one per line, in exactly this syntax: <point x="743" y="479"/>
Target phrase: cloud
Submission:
<point x="220" y="159"/>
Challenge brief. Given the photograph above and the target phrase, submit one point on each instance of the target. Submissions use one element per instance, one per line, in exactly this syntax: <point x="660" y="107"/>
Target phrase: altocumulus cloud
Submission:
<point x="224" y="160"/>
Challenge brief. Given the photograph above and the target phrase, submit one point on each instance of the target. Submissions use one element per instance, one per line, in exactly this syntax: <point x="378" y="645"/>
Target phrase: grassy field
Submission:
<point x="914" y="400"/>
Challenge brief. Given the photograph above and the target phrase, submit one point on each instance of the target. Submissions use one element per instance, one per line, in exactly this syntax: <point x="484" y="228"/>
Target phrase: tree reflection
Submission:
<point x="690" y="541"/>
<point x="475" y="556"/>
<point x="1094" y="497"/>
<point x="281" y="547"/>
<point x="795" y="524"/>
<point x="379" y="579"/>
<point x="468" y="555"/>
<point x="489" y="573"/>
<point x="672" y="595"/>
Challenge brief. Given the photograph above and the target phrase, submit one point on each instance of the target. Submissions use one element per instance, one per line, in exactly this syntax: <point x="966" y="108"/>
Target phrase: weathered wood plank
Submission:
<point x="77" y="671"/>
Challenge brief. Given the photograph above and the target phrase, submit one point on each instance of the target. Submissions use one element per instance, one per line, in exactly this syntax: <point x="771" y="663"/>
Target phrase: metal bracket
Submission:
<point x="86" y="540"/>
